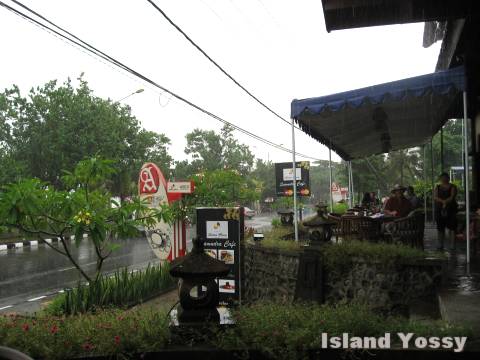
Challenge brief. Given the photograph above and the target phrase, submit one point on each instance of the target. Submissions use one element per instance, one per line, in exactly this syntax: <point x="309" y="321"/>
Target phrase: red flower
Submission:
<point x="117" y="339"/>
<point x="54" y="329"/>
<point x="87" y="346"/>
<point x="25" y="327"/>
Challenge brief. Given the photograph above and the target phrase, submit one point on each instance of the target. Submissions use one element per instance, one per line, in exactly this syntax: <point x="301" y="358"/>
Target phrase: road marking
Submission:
<point x="66" y="269"/>
<point x="48" y="241"/>
<point x="3" y="247"/>
<point x="35" y="242"/>
<point x="37" y="298"/>
<point x="62" y="291"/>
<point x="86" y="235"/>
<point x="6" y="307"/>
<point x="18" y="245"/>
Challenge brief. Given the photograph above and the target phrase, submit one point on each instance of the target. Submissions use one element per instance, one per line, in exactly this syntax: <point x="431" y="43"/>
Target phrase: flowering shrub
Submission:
<point x="281" y="331"/>
<point x="107" y="333"/>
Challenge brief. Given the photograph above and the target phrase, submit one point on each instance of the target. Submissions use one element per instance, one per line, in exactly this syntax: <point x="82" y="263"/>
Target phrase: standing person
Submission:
<point x="446" y="209"/>
<point x="410" y="195"/>
<point x="367" y="200"/>
<point x="397" y="205"/>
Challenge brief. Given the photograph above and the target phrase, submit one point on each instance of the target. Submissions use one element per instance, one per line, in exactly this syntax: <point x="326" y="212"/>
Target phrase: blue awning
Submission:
<point x="385" y="117"/>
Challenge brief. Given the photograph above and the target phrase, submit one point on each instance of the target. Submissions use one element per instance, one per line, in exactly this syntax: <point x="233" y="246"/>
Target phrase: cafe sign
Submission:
<point x="168" y="241"/>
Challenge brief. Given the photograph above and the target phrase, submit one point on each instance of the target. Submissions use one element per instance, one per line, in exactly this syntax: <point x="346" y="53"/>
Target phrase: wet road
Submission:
<point x="39" y="272"/>
<point x="32" y="275"/>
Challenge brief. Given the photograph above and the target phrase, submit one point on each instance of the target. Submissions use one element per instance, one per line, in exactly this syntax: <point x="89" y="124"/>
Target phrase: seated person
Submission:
<point x="412" y="197"/>
<point x="397" y="204"/>
<point x="367" y="200"/>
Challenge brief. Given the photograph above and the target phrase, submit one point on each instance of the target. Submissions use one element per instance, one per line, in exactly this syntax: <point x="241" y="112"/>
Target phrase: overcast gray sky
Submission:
<point x="278" y="49"/>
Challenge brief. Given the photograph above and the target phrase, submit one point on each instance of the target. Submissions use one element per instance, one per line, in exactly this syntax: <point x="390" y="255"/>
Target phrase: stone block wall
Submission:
<point x="271" y="275"/>
<point x="384" y="286"/>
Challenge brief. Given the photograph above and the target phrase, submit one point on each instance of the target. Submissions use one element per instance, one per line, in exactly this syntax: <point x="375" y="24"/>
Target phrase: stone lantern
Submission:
<point x="198" y="290"/>
<point x="319" y="226"/>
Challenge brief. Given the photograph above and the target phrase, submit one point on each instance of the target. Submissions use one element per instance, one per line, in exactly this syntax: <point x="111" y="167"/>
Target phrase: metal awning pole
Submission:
<point x="349" y="186"/>
<point x="432" y="179"/>
<point x="294" y="168"/>
<point x="353" y="191"/>
<point x="466" y="170"/>
<point x="330" y="168"/>
<point x="442" y="164"/>
<point x="425" y="180"/>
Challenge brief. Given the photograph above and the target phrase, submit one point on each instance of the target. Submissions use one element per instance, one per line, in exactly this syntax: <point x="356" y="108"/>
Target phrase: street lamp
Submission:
<point x="133" y="93"/>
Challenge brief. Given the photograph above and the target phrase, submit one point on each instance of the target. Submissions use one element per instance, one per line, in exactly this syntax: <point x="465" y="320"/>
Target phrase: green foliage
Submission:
<point x="341" y="255"/>
<point x="274" y="239"/>
<point x="276" y="222"/>
<point x="212" y="151"/>
<point x="288" y="331"/>
<point x="281" y="331"/>
<point x="36" y="208"/>
<point x="340" y="208"/>
<point x="264" y="174"/>
<point x="107" y="333"/>
<point x="219" y="188"/>
<point x="121" y="289"/>
<point x="56" y="126"/>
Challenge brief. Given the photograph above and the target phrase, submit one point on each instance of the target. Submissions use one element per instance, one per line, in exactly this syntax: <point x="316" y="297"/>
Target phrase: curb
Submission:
<point x="33" y="243"/>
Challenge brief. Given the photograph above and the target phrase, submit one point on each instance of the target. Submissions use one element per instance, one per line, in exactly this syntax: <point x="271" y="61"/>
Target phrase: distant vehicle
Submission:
<point x="249" y="213"/>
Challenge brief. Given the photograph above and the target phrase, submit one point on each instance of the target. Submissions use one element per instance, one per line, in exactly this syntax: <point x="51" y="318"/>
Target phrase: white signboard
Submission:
<point x="217" y="229"/>
<point x="288" y="174"/>
<point x="180" y="187"/>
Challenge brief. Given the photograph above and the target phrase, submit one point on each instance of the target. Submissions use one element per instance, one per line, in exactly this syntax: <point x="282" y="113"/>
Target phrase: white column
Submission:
<point x="330" y="168"/>
<point x="294" y="168"/>
<point x="466" y="171"/>
<point x="350" y="189"/>
<point x="425" y="180"/>
<point x="353" y="191"/>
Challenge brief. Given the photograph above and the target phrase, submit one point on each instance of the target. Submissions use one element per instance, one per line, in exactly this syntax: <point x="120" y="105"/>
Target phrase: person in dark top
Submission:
<point x="446" y="209"/>
<point x="410" y="195"/>
<point x="398" y="205"/>
<point x="367" y="200"/>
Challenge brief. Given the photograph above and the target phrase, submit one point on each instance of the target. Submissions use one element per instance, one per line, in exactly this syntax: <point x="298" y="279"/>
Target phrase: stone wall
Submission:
<point x="271" y="274"/>
<point x="384" y="286"/>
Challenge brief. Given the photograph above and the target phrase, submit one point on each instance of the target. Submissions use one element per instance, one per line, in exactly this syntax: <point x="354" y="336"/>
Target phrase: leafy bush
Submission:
<point x="282" y="331"/>
<point x="341" y="255"/>
<point x="122" y="289"/>
<point x="340" y="208"/>
<point x="106" y="333"/>
<point x="276" y="222"/>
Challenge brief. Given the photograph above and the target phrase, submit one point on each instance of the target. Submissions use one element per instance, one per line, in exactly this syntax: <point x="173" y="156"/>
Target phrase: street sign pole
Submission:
<point x="294" y="169"/>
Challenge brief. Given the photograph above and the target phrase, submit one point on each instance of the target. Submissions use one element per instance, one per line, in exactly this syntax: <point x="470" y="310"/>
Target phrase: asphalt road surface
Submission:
<point x="30" y="276"/>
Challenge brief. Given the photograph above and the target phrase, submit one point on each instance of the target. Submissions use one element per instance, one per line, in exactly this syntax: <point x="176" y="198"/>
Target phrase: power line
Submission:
<point x="189" y="39"/>
<point x="86" y="46"/>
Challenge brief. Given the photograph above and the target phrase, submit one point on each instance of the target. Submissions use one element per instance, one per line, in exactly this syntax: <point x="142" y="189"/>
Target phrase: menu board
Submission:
<point x="284" y="177"/>
<point x="222" y="229"/>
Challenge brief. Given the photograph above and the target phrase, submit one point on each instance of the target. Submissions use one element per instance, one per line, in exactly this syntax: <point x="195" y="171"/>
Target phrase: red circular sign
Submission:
<point x="149" y="179"/>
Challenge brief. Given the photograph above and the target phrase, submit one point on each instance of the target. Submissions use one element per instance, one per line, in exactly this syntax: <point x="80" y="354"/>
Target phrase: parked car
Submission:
<point x="249" y="213"/>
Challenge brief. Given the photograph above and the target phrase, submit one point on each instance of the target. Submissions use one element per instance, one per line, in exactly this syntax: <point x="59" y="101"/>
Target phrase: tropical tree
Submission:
<point x="84" y="206"/>
<point x="215" y="151"/>
<point x="56" y="126"/>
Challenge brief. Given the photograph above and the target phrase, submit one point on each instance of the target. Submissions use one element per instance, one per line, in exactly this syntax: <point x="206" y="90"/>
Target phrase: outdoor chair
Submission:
<point x="337" y="228"/>
<point x="350" y="227"/>
<point x="408" y="230"/>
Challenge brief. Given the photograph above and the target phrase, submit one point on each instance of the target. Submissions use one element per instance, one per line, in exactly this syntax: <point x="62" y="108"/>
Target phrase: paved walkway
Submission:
<point x="459" y="298"/>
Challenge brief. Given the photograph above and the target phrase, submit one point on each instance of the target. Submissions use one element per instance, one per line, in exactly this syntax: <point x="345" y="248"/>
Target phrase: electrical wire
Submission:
<point x="86" y="46"/>
<point x="219" y="67"/>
